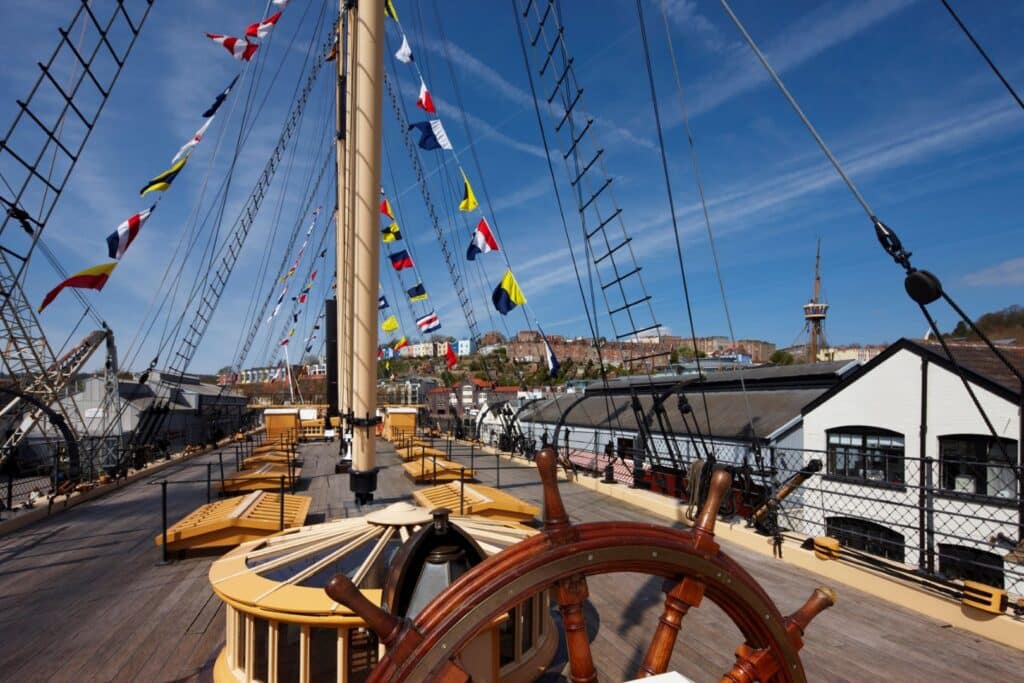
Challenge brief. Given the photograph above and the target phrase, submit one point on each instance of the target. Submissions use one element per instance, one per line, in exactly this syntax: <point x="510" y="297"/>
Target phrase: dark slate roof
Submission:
<point x="976" y="360"/>
<point x="770" y="410"/>
<point x="979" y="359"/>
<point x="802" y="376"/>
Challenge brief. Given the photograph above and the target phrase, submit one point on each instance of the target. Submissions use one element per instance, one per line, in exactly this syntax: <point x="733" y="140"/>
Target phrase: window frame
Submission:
<point x="964" y="563"/>
<point x="866" y="453"/>
<point x="866" y="532"/>
<point x="977" y="468"/>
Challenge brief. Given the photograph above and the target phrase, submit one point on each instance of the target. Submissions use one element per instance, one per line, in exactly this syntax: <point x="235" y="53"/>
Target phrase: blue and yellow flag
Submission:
<point x="507" y="294"/>
<point x="417" y="293"/>
<point x="164" y="180"/>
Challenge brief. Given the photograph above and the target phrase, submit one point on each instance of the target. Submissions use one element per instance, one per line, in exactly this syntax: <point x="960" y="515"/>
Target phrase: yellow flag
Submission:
<point x="468" y="202"/>
<point x="389" y="10"/>
<point x="389" y="325"/>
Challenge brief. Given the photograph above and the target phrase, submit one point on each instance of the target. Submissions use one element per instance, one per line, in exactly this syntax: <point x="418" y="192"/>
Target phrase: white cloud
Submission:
<point x="1009" y="272"/>
<point x="824" y="28"/>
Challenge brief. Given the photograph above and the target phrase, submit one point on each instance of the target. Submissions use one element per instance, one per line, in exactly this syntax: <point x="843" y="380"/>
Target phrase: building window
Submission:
<point x="861" y="534"/>
<point x="866" y="454"/>
<point x="961" y="562"/>
<point x="978" y="465"/>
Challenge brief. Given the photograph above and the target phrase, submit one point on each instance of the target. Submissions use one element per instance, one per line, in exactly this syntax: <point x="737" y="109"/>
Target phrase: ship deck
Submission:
<point x="83" y="596"/>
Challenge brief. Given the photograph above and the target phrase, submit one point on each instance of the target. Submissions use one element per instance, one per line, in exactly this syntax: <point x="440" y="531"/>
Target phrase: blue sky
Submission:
<point x="925" y="130"/>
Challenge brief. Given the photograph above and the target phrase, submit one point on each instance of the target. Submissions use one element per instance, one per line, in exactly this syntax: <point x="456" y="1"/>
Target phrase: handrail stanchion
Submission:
<point x="209" y="481"/>
<point x="497" y="460"/>
<point x="10" y="488"/>
<point x="163" y="511"/>
<point x="435" y="469"/>
<point x="220" y="457"/>
<point x="462" y="491"/>
<point x="472" y="454"/>
<point x="282" y="503"/>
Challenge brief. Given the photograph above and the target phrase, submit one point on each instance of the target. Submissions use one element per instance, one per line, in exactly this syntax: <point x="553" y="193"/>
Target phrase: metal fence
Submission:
<point x="949" y="519"/>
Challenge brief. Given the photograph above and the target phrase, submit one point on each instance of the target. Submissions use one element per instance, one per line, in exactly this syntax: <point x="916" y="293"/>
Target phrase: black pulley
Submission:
<point x="922" y="286"/>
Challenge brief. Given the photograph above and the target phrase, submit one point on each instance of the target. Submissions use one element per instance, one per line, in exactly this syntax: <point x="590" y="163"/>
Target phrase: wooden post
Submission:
<point x="282" y="503"/>
<point x="462" y="491"/>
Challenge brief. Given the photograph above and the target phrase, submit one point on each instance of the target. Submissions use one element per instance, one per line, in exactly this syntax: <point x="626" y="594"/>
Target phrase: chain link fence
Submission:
<point x="955" y="518"/>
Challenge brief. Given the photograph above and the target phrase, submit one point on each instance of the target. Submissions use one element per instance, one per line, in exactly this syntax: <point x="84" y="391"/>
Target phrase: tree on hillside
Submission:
<point x="1007" y="323"/>
<point x="781" y="357"/>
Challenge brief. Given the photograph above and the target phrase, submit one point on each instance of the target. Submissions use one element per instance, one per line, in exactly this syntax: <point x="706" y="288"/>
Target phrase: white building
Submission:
<point x="912" y="470"/>
<point x="464" y="347"/>
<point x="422" y="350"/>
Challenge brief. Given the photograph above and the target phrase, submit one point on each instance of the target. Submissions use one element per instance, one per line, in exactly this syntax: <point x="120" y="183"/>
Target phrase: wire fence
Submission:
<point x="952" y="519"/>
<point x="43" y="469"/>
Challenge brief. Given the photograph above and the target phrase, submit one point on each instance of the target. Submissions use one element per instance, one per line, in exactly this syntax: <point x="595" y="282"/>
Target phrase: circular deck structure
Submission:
<point x="282" y="626"/>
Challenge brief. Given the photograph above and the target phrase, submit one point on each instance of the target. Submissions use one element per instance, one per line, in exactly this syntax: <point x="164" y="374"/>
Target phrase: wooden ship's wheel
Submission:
<point x="428" y="647"/>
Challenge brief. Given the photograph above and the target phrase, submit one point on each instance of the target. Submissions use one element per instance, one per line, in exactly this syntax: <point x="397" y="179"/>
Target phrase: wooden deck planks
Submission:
<point x="861" y="639"/>
<point x="82" y="597"/>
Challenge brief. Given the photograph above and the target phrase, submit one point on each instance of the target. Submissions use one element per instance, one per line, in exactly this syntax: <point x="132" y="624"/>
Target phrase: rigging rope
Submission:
<point x="698" y="180"/>
<point x="672" y="205"/>
<point x="984" y="55"/>
<point x="890" y="242"/>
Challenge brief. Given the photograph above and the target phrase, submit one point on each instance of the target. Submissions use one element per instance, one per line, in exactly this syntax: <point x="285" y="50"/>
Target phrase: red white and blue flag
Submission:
<point x="238" y="47"/>
<point x="119" y="240"/>
<point x="483" y="241"/>
<point x="428" y="323"/>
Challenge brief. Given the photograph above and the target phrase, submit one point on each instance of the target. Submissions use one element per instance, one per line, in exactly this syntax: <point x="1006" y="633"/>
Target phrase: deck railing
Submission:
<point x="945" y="520"/>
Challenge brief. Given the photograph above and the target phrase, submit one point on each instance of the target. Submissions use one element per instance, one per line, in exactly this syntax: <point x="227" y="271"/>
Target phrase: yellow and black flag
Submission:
<point x="389" y="10"/>
<point x="164" y="180"/>
<point x="391" y="233"/>
<point x="468" y="202"/>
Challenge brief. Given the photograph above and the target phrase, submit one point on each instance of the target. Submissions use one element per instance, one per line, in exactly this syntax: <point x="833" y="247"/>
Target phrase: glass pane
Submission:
<point x="288" y="652"/>
<point x="240" y="620"/>
<point x="526" y="612"/>
<point x="507" y="639"/>
<point x="323" y="655"/>
<point x="362" y="654"/>
<point x="261" y="630"/>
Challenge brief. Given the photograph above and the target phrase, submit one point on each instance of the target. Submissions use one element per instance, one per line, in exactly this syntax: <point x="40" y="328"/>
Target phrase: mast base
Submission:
<point x="363" y="484"/>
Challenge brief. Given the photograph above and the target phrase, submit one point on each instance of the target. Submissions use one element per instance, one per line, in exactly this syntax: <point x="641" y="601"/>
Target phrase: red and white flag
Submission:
<point x="186" y="149"/>
<point x="119" y="240"/>
<point x="238" y="47"/>
<point x="425" y="102"/>
<point x="261" y="29"/>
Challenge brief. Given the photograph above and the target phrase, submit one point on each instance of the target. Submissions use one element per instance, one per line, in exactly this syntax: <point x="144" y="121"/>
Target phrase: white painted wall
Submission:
<point x="889" y="397"/>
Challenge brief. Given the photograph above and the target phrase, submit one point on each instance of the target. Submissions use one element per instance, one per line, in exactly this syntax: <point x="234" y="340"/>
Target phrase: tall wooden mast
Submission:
<point x="360" y="239"/>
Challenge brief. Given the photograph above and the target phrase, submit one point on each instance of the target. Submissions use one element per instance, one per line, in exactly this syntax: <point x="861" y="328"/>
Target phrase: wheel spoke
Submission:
<point x="571" y="594"/>
<point x="678" y="601"/>
<point x="751" y="666"/>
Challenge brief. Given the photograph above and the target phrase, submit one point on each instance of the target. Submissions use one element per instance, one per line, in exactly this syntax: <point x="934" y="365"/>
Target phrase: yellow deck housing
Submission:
<point x="229" y="522"/>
